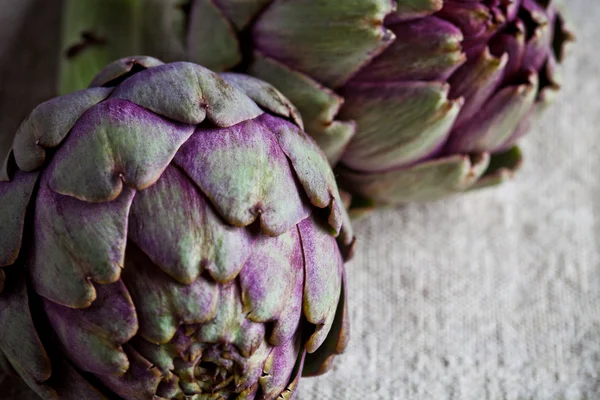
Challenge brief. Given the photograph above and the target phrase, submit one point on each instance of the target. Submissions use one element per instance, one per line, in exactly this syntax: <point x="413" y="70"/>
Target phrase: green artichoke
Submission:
<point x="410" y="99"/>
<point x="170" y="233"/>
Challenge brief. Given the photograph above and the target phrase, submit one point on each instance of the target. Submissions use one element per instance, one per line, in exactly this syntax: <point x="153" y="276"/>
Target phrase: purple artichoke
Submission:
<point x="411" y="99"/>
<point x="441" y="108"/>
<point x="170" y="233"/>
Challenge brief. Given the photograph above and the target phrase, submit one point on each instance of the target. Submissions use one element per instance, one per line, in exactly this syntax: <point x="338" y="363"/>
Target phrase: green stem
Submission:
<point x="97" y="32"/>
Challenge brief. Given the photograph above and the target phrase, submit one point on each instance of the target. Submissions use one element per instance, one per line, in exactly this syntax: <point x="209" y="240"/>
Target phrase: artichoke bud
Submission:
<point x="170" y="233"/>
<point x="409" y="100"/>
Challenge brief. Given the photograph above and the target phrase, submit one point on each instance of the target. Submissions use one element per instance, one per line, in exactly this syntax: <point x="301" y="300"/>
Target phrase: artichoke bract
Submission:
<point x="170" y="233"/>
<point x="411" y="99"/>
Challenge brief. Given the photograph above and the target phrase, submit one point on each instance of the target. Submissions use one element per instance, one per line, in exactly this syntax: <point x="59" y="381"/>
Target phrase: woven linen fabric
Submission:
<point x="494" y="295"/>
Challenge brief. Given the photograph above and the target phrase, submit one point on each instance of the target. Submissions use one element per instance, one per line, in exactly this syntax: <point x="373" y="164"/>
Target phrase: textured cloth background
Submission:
<point x="494" y="295"/>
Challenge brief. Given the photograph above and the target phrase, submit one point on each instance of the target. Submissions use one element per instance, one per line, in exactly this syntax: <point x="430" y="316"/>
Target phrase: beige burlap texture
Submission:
<point x="494" y="295"/>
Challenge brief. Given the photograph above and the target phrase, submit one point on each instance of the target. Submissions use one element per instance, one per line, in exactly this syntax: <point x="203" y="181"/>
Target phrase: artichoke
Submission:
<point x="410" y="99"/>
<point x="170" y="233"/>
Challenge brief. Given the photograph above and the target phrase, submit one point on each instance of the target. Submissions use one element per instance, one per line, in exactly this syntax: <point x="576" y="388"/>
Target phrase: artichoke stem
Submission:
<point x="94" y="33"/>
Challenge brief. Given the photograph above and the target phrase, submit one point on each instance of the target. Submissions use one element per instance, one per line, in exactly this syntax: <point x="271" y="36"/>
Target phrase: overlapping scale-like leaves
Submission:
<point x="493" y="56"/>
<point x="411" y="99"/>
<point x="170" y="234"/>
<point x="433" y="92"/>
